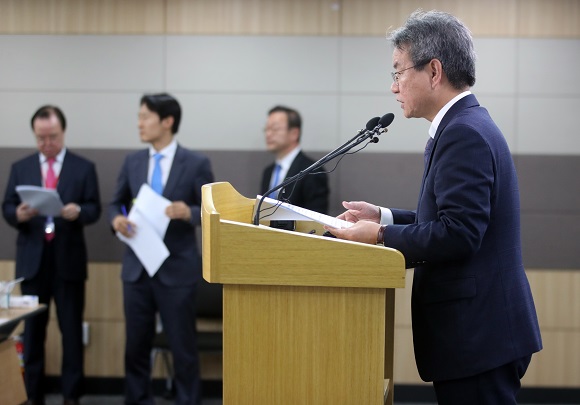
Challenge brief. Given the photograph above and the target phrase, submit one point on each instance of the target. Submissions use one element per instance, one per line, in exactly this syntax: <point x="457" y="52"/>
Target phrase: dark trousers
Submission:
<point x="69" y="299"/>
<point x="498" y="386"/>
<point x="176" y="307"/>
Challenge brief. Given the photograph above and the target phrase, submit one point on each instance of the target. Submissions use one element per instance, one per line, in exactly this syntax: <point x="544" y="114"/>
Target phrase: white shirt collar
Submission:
<point x="287" y="160"/>
<point x="443" y="111"/>
<point x="167" y="152"/>
<point x="59" y="158"/>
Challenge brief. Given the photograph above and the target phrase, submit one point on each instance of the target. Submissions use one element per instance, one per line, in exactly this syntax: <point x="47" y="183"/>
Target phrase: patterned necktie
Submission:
<point x="50" y="181"/>
<point x="275" y="181"/>
<point x="428" y="148"/>
<point x="156" y="177"/>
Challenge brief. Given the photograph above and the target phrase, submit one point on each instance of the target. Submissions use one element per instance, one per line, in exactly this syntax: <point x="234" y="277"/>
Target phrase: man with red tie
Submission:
<point x="51" y="253"/>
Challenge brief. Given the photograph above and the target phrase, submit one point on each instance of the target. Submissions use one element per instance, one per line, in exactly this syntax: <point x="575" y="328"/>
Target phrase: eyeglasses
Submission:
<point x="274" y="129"/>
<point x="395" y="75"/>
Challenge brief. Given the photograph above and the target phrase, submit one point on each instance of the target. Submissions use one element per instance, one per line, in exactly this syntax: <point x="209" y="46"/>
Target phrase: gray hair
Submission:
<point x="438" y="35"/>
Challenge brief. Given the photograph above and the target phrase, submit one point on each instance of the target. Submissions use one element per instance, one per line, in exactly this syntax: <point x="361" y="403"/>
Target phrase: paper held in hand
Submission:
<point x="46" y="201"/>
<point x="274" y="210"/>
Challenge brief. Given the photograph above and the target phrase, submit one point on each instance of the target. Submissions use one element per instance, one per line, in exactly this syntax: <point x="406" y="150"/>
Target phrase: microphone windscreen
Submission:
<point x="386" y="120"/>
<point x="373" y="122"/>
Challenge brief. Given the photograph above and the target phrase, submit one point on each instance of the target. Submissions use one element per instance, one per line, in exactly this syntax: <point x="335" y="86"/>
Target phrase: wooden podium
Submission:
<point x="306" y="319"/>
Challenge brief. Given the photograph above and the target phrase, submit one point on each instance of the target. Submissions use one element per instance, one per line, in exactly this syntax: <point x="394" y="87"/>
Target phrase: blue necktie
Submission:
<point x="275" y="181"/>
<point x="156" y="177"/>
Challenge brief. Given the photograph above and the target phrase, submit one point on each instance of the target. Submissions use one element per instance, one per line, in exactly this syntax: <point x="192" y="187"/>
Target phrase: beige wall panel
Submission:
<point x="103" y="355"/>
<point x="104" y="292"/>
<point x="558" y="364"/>
<point x="552" y="19"/>
<point x="484" y="18"/>
<point x="7" y="270"/>
<point x="82" y="17"/>
<point x="558" y="305"/>
<point x="526" y="18"/>
<point x="403" y="302"/>
<point x="405" y="368"/>
<point x="557" y="299"/>
<point x="370" y="17"/>
<point x="252" y="17"/>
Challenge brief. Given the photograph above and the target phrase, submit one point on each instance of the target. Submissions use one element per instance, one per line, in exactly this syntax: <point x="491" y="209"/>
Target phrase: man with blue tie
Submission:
<point x="474" y="322"/>
<point x="51" y="253"/>
<point x="283" y="132"/>
<point x="178" y="174"/>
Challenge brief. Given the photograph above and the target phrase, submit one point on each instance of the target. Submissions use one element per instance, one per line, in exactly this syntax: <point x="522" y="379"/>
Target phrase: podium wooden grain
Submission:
<point x="307" y="319"/>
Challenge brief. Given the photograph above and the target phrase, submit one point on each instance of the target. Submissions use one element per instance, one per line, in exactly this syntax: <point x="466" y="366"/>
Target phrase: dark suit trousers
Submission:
<point x="493" y="387"/>
<point x="176" y="307"/>
<point x="69" y="298"/>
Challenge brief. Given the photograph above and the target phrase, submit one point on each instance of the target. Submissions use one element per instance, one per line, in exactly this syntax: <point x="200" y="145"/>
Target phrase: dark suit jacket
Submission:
<point x="472" y="307"/>
<point x="311" y="192"/>
<point x="189" y="171"/>
<point x="77" y="184"/>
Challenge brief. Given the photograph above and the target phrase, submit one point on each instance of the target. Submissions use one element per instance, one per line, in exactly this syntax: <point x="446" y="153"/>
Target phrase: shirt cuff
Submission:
<point x="386" y="216"/>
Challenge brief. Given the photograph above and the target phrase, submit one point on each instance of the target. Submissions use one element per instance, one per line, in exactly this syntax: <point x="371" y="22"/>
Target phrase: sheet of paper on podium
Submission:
<point x="46" y="201"/>
<point x="274" y="210"/>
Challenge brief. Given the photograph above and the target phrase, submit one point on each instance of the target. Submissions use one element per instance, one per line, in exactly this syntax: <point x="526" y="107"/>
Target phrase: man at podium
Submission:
<point x="474" y="321"/>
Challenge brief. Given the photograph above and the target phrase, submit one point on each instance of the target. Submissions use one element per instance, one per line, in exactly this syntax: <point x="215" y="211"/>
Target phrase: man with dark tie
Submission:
<point x="474" y="322"/>
<point x="178" y="175"/>
<point x="283" y="132"/>
<point x="50" y="253"/>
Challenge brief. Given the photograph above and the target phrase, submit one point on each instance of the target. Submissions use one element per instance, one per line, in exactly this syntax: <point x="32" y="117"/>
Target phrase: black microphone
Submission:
<point x="382" y="125"/>
<point x="374" y="127"/>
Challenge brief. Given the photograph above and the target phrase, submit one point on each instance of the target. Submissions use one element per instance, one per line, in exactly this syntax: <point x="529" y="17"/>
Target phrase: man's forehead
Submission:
<point x="46" y="122"/>
<point x="399" y="57"/>
<point x="277" y="116"/>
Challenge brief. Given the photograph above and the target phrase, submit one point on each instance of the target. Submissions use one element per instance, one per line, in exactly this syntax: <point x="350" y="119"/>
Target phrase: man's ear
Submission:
<point x="294" y="134"/>
<point x="436" y="72"/>
<point x="167" y="122"/>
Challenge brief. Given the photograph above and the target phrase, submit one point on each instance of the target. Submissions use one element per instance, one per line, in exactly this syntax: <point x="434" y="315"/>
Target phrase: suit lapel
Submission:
<point x="294" y="168"/>
<point x="35" y="172"/>
<point x="175" y="172"/>
<point x="465" y="102"/>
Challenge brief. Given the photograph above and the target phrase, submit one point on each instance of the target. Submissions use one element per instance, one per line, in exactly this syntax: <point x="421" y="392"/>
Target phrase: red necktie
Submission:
<point x="50" y="182"/>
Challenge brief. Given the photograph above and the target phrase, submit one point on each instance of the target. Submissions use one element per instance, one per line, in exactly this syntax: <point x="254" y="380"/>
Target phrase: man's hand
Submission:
<point x="178" y="210"/>
<point x="122" y="225"/>
<point x="70" y="212"/>
<point x="362" y="231"/>
<point x="360" y="211"/>
<point x="24" y="212"/>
